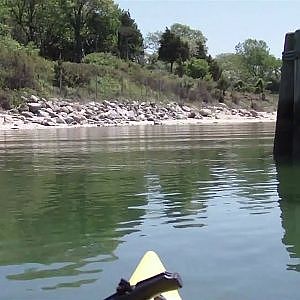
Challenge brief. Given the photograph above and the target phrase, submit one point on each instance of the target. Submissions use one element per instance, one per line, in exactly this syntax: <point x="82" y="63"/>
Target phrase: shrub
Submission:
<point x="74" y="74"/>
<point x="21" y="67"/>
<point x="4" y="101"/>
<point x="105" y="60"/>
<point x="197" y="68"/>
<point x="259" y="86"/>
<point x="223" y="84"/>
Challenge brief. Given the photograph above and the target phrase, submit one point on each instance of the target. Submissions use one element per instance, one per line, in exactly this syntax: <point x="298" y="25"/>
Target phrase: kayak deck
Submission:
<point x="151" y="265"/>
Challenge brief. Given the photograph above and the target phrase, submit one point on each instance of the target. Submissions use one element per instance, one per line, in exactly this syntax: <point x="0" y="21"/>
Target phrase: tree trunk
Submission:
<point x="172" y="66"/>
<point x="77" y="35"/>
<point x="78" y="45"/>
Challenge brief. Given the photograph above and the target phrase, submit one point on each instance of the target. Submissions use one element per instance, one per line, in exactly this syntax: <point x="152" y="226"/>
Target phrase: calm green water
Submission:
<point x="79" y="207"/>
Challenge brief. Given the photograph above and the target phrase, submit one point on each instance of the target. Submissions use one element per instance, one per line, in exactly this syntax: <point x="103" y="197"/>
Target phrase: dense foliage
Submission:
<point x="172" y="48"/>
<point x="71" y="44"/>
<point x="72" y="29"/>
<point x="251" y="63"/>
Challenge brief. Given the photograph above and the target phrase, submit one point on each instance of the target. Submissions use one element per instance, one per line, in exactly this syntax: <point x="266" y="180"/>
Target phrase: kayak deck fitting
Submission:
<point x="150" y="280"/>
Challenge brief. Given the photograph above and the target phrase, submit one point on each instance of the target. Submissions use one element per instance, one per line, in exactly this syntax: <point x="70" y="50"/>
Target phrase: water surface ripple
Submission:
<point x="80" y="206"/>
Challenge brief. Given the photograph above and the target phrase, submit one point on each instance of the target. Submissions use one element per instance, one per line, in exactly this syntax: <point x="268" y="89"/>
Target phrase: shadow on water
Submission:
<point x="288" y="175"/>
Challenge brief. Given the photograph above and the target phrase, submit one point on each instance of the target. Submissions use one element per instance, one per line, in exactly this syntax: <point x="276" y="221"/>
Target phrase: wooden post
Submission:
<point x="96" y="87"/>
<point x="284" y="135"/>
<point x="60" y="74"/>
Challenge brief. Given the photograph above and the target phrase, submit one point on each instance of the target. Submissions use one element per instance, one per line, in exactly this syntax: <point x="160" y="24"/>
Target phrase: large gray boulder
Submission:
<point x="34" y="107"/>
<point x="205" y="112"/>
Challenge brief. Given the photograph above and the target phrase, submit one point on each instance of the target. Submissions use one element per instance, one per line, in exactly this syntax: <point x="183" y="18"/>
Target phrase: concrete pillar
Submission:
<point x="296" y="139"/>
<point x="284" y="135"/>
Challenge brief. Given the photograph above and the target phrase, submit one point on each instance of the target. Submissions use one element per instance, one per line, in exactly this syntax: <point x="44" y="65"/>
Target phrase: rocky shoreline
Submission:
<point x="36" y="112"/>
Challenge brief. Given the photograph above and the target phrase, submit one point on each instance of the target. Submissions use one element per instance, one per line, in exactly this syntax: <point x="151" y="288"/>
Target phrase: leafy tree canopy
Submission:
<point x="256" y="58"/>
<point x="193" y="37"/>
<point x="64" y="27"/>
<point x="197" y="68"/>
<point x="172" y="48"/>
<point x="130" y="39"/>
<point x="232" y="66"/>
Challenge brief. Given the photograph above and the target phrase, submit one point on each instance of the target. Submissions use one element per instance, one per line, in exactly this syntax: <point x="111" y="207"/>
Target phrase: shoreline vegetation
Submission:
<point x="36" y="113"/>
<point x="75" y="54"/>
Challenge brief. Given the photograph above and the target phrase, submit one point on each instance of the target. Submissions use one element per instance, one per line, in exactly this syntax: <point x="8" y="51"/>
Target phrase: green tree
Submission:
<point x="102" y="25"/>
<point x="130" y="39"/>
<point x="232" y="66"/>
<point x="172" y="48"/>
<point x="23" y="18"/>
<point x="81" y="15"/>
<point x="39" y="22"/>
<point x="201" y="50"/>
<point x="215" y="70"/>
<point x="197" y="68"/>
<point x="64" y="28"/>
<point x="193" y="37"/>
<point x="256" y="57"/>
<point x="223" y="84"/>
<point x="4" y="30"/>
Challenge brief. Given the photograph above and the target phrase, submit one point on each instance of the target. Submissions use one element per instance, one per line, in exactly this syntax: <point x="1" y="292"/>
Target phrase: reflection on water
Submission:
<point x="289" y="193"/>
<point x="80" y="206"/>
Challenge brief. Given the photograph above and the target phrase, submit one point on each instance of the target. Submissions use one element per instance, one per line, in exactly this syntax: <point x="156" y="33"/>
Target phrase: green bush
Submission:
<point x="105" y="60"/>
<point x="197" y="68"/>
<point x="75" y="74"/>
<point x="22" y="67"/>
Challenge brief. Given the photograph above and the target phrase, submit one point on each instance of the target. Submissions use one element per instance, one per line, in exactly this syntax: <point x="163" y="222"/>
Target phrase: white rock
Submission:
<point x="60" y="120"/>
<point x="186" y="108"/>
<point x="34" y="107"/>
<point x="205" y="112"/>
<point x="34" y="98"/>
<point x="43" y="113"/>
<point x="27" y="114"/>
